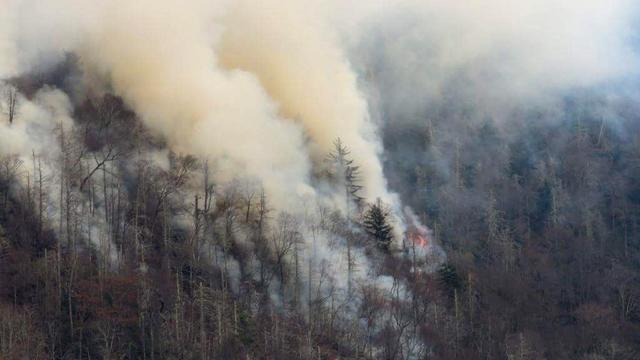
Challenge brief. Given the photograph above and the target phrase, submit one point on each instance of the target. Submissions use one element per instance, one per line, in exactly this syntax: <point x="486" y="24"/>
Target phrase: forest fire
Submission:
<point x="426" y="255"/>
<point x="418" y="238"/>
<point x="319" y="179"/>
<point x="418" y="235"/>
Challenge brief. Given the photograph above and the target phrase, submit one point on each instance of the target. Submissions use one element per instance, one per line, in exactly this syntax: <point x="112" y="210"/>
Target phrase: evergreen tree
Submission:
<point x="347" y="177"/>
<point x="376" y="224"/>
<point x="448" y="277"/>
<point x="345" y="173"/>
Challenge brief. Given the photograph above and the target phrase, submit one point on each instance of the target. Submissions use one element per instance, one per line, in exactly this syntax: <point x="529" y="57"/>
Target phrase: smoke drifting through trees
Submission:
<point x="204" y="89"/>
<point x="200" y="179"/>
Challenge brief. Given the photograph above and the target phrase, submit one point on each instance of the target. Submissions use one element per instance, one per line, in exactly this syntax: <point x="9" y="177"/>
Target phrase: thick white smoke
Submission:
<point x="262" y="89"/>
<point x="165" y="67"/>
<point x="298" y="59"/>
<point x="35" y="132"/>
<point x="32" y="141"/>
<point x="8" y="58"/>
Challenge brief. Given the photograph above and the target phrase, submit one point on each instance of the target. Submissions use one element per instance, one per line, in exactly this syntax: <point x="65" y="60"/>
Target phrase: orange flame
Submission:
<point x="418" y="238"/>
<point x="418" y="234"/>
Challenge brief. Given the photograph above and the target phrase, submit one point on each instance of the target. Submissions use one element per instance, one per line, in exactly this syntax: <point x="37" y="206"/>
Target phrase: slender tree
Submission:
<point x="346" y="173"/>
<point x="11" y="100"/>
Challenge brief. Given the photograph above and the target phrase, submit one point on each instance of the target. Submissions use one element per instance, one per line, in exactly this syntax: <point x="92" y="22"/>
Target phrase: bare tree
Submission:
<point x="11" y="100"/>
<point x="285" y="237"/>
<point x="347" y="175"/>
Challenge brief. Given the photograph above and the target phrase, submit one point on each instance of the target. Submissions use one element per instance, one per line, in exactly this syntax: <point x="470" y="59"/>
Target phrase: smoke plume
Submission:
<point x="262" y="89"/>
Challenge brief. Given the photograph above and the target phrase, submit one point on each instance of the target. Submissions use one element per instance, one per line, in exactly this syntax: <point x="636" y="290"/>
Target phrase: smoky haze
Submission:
<point x="493" y="54"/>
<point x="264" y="89"/>
<point x="228" y="81"/>
<point x="214" y="142"/>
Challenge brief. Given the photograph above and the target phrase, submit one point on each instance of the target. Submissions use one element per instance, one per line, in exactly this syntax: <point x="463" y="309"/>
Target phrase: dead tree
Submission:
<point x="347" y="175"/>
<point x="11" y="98"/>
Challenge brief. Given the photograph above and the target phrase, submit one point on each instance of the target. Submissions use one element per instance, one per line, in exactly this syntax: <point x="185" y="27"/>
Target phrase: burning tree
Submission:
<point x="376" y="224"/>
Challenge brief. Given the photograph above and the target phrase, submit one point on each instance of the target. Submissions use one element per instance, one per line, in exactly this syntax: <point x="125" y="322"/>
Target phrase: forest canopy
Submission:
<point x="319" y="180"/>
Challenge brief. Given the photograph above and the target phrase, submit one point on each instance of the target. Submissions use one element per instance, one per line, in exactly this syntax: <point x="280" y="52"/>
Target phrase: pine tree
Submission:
<point x="448" y="277"/>
<point x="346" y="173"/>
<point x="376" y="224"/>
<point x="347" y="176"/>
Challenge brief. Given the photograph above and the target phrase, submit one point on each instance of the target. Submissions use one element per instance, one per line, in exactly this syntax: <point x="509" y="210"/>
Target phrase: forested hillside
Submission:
<point x="212" y="179"/>
<point x="539" y="223"/>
